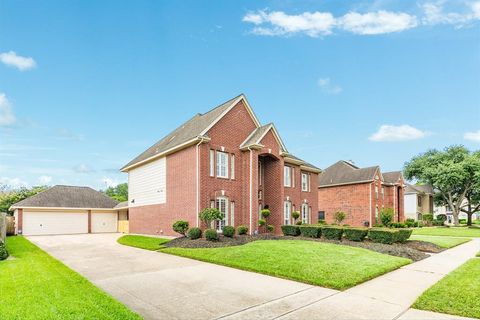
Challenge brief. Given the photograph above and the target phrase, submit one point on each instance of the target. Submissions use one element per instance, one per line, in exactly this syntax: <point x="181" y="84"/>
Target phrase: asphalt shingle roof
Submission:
<point x="344" y="172"/>
<point x="392" y="177"/>
<point x="68" y="197"/>
<point x="256" y="135"/>
<point x="187" y="131"/>
<point x="426" y="188"/>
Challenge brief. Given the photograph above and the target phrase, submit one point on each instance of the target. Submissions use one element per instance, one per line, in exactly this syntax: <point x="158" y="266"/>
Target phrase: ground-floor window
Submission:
<point x="232" y="213"/>
<point x="321" y="216"/>
<point x="287" y="212"/>
<point x="304" y="213"/>
<point x="222" y="205"/>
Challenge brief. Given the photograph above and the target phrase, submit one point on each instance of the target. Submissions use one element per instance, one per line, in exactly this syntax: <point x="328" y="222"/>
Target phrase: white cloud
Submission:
<point x="82" y="168"/>
<point x="44" y="180"/>
<point x="313" y="24"/>
<point x="472" y="136"/>
<point x="328" y="87"/>
<point x="379" y="22"/>
<point x="108" y="182"/>
<point x="12" y="183"/>
<point x="21" y="63"/>
<point x="6" y="113"/>
<point x="397" y="133"/>
<point x="434" y="14"/>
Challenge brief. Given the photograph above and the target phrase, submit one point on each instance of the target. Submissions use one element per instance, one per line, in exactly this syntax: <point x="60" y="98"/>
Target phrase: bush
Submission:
<point x="462" y="221"/>
<point x="310" y="231"/>
<point x="211" y="235"/>
<point x="3" y="251"/>
<point x="270" y="228"/>
<point x="427" y="217"/>
<point x="290" y="230"/>
<point x="262" y="222"/>
<point x="228" y="231"/>
<point x="438" y="223"/>
<point x="442" y="217"/>
<point x="295" y="215"/>
<point x="321" y="222"/>
<point x="241" y="230"/>
<point x="195" y="233"/>
<point x="398" y="225"/>
<point x="404" y="235"/>
<point x="181" y="227"/>
<point x="265" y="213"/>
<point x="298" y="223"/>
<point x="386" y="216"/>
<point x="383" y="235"/>
<point x="209" y="215"/>
<point x="355" y="234"/>
<point x="332" y="232"/>
<point x="339" y="216"/>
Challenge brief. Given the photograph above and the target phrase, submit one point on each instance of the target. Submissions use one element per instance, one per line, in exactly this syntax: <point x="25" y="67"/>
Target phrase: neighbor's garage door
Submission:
<point x="104" y="222"/>
<point x="39" y="223"/>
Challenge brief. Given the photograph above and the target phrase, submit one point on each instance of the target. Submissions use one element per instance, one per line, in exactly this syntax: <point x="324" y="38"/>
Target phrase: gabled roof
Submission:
<point x="426" y="188"/>
<point x="68" y="197"/>
<point x="121" y="205"/>
<point x="255" y="138"/>
<point x="191" y="131"/>
<point x="344" y="172"/>
<point x="392" y="177"/>
<point x="303" y="163"/>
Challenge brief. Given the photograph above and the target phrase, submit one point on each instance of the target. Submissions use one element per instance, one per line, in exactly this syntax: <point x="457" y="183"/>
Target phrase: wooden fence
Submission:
<point x="10" y="225"/>
<point x="3" y="226"/>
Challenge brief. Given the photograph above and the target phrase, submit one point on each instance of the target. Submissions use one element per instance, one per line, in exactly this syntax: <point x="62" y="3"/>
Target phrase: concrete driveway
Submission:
<point x="161" y="286"/>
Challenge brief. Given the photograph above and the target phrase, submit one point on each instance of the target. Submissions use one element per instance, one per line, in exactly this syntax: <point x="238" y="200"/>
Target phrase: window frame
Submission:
<point x="222" y="159"/>
<point x="222" y="223"/>
<point x="306" y="187"/>
<point x="212" y="163"/>
<point x="285" y="170"/>
<point x="287" y="218"/>
<point x="304" y="213"/>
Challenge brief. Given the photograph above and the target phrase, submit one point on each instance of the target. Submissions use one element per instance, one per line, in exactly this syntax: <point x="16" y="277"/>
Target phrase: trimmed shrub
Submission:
<point x="386" y="216"/>
<point x="295" y="215"/>
<point x="332" y="232"/>
<point x="195" y="233"/>
<point x="211" y="235"/>
<point x="383" y="235"/>
<point x="3" y="251"/>
<point x="321" y="222"/>
<point x="442" y="217"/>
<point x="298" y="223"/>
<point x="270" y="228"/>
<point x="398" y="225"/>
<point x="355" y="234"/>
<point x="404" y="235"/>
<point x="310" y="231"/>
<point x="339" y="216"/>
<point x="241" y="230"/>
<point x="290" y="230"/>
<point x="438" y="223"/>
<point x="427" y="217"/>
<point x="181" y="227"/>
<point x="228" y="231"/>
<point x="462" y="221"/>
<point x="208" y="215"/>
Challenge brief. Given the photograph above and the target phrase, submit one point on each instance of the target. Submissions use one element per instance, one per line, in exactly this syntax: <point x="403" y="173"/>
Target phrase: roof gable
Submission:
<point x="257" y="135"/>
<point x="68" y="197"/>
<point x="343" y="172"/>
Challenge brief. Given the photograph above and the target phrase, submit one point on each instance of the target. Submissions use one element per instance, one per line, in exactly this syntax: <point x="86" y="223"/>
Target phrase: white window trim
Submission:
<point x="222" y="163"/>
<point x="212" y="163"/>
<point x="287" y="182"/>
<point x="224" y="222"/>
<point x="232" y="169"/>
<point x="287" y="212"/>
<point x="304" y="213"/>
<point x="232" y="213"/>
<point x="306" y="187"/>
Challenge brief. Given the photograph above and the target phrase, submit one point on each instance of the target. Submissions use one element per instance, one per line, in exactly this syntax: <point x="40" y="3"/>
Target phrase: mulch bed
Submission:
<point x="414" y="250"/>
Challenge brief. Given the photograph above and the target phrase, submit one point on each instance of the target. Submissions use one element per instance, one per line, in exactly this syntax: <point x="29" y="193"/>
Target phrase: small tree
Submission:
<point x="181" y="227"/>
<point x="295" y="216"/>
<point x="386" y="216"/>
<point x="209" y="215"/>
<point x="339" y="216"/>
<point x="265" y="213"/>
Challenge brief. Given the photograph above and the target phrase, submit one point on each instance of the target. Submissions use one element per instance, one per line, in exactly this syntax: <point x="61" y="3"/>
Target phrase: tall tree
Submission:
<point x="472" y="204"/>
<point x="453" y="173"/>
<point x="11" y="196"/>
<point x="119" y="192"/>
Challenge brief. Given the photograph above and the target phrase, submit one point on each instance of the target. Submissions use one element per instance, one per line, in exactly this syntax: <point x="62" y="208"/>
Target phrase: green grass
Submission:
<point x="451" y="232"/>
<point x="458" y="293"/>
<point x="143" y="242"/>
<point x="34" y="285"/>
<point x="323" y="264"/>
<point x="444" y="242"/>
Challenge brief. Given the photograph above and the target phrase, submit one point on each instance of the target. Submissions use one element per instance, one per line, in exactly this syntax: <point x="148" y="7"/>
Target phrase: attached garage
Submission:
<point x="66" y="210"/>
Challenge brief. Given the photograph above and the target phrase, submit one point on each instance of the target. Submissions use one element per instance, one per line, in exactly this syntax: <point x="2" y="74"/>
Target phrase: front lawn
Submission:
<point x="444" y="242"/>
<point x="445" y="231"/>
<point x="458" y="293"/>
<point x="33" y="285"/>
<point x="323" y="264"/>
<point x="143" y="242"/>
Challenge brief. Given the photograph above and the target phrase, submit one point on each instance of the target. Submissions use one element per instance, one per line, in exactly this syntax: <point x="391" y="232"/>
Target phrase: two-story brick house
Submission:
<point x="225" y="159"/>
<point x="359" y="192"/>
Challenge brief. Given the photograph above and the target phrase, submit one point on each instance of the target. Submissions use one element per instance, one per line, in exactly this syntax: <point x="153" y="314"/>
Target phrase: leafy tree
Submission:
<point x="295" y="216"/>
<point x="339" y="216"/>
<point x="209" y="215"/>
<point x="181" y="227"/>
<point x="386" y="216"/>
<point x="10" y="197"/>
<point x="454" y="173"/>
<point x="119" y="192"/>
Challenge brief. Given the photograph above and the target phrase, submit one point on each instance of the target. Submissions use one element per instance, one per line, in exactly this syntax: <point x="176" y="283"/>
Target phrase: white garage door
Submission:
<point x="104" y="222"/>
<point x="38" y="223"/>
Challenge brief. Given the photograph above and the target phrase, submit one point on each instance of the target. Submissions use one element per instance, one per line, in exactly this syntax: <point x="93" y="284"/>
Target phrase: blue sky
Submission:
<point x="85" y="86"/>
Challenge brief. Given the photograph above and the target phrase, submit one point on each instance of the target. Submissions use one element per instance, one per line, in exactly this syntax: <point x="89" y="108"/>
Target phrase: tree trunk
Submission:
<point x="469" y="218"/>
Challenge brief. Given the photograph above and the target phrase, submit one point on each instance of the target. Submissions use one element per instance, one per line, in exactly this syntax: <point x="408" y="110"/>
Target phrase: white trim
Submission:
<point x="63" y="208"/>
<point x="287" y="205"/>
<point x="232" y="166"/>
<point x="232" y="213"/>
<point x="251" y="190"/>
<point x="212" y="162"/>
<point x="234" y="103"/>
<point x="309" y="169"/>
<point x="307" y="182"/>
<point x="285" y="170"/>
<point x="197" y="205"/>
<point x="222" y="164"/>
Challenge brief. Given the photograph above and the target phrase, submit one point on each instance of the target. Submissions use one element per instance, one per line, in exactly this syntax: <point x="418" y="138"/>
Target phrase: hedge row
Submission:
<point x="380" y="235"/>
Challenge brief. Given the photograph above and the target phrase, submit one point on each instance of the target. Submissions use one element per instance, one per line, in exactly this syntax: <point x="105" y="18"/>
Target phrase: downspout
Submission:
<point x="395" y="201"/>
<point x="370" y="212"/>
<point x="251" y="187"/>
<point x="198" y="182"/>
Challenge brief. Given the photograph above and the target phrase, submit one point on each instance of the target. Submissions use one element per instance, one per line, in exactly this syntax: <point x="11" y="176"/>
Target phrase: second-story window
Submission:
<point x="287" y="176"/>
<point x="222" y="164"/>
<point x="305" y="182"/>
<point x="376" y="192"/>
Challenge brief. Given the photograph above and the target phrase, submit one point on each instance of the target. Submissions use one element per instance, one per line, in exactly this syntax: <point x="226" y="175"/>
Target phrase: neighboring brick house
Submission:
<point x="225" y="159"/>
<point x="359" y="192"/>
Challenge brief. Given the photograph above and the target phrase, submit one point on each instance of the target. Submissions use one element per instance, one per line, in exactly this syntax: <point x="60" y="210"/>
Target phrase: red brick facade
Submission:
<point x="186" y="195"/>
<point x="361" y="202"/>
